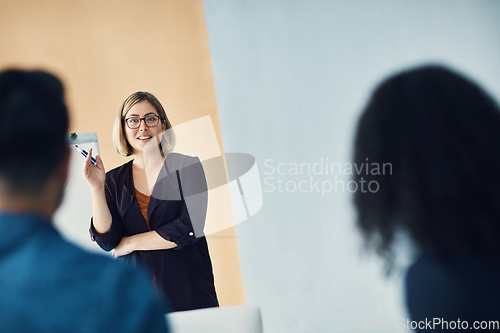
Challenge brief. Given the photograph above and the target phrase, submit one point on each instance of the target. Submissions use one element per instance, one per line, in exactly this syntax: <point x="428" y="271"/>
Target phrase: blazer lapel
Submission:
<point x="128" y="193"/>
<point x="166" y="188"/>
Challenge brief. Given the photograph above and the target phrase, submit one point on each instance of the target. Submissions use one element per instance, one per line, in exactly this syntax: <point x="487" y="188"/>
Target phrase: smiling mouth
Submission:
<point x="143" y="138"/>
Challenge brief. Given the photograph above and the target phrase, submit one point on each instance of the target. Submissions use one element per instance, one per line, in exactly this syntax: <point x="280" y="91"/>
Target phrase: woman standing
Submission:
<point x="441" y="133"/>
<point x="152" y="209"/>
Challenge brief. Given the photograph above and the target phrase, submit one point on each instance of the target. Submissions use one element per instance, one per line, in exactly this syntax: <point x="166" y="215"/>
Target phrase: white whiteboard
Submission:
<point x="72" y="218"/>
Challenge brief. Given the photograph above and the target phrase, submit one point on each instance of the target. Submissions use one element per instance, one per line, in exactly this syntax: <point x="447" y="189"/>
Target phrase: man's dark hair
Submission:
<point x="33" y="127"/>
<point x="441" y="133"/>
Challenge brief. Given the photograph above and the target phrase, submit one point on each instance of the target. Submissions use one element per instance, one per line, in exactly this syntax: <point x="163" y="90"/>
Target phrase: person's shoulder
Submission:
<point x="449" y="271"/>
<point x="120" y="169"/>
<point x="80" y="262"/>
<point x="433" y="273"/>
<point x="119" y="172"/>
<point x="176" y="161"/>
<point x="181" y="159"/>
<point x="450" y="286"/>
<point x="124" y="294"/>
<point x="130" y="295"/>
<point x="68" y="278"/>
<point x="63" y="260"/>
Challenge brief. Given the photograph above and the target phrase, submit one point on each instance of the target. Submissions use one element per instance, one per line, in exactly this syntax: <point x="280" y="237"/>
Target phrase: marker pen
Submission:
<point x="84" y="153"/>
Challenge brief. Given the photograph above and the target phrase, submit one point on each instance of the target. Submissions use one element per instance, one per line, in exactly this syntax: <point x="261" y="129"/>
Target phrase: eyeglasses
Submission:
<point x="135" y="122"/>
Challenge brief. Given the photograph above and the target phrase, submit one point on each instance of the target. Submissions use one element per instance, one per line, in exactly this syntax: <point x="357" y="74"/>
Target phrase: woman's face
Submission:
<point x="139" y="137"/>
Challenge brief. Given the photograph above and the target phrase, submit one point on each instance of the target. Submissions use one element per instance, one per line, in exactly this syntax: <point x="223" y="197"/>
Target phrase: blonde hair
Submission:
<point x="120" y="142"/>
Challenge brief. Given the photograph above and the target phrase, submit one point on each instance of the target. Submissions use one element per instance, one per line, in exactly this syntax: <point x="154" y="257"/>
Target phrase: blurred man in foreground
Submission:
<point x="46" y="283"/>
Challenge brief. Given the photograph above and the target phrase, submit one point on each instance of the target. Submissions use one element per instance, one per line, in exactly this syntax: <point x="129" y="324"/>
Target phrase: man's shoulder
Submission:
<point x="126" y="294"/>
<point x="65" y="258"/>
<point x="92" y="267"/>
<point x="63" y="278"/>
<point x="123" y="293"/>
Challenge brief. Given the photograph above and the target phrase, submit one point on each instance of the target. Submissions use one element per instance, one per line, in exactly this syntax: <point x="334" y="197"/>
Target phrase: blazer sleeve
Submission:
<point x="188" y="227"/>
<point x="110" y="239"/>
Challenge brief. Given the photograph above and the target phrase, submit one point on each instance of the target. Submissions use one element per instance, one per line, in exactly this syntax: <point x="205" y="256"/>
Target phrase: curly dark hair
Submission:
<point x="441" y="133"/>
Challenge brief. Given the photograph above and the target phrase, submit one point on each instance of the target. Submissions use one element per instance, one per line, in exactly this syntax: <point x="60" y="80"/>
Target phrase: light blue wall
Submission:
<point x="291" y="78"/>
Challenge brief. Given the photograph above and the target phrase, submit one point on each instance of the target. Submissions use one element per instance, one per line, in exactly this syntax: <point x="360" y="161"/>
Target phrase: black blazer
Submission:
<point x="176" y="211"/>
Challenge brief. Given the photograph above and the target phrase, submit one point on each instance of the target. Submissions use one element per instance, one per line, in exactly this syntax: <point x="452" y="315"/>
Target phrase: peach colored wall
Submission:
<point x="105" y="50"/>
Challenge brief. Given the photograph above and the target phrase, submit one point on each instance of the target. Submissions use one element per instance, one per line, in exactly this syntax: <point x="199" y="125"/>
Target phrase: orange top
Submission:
<point x="143" y="201"/>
